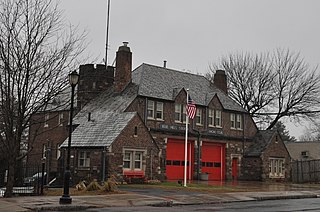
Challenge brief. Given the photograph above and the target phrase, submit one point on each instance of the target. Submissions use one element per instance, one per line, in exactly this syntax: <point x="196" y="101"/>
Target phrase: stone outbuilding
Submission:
<point x="267" y="159"/>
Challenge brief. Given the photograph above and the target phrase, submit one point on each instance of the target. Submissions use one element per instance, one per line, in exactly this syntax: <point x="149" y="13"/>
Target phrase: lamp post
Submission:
<point x="66" y="199"/>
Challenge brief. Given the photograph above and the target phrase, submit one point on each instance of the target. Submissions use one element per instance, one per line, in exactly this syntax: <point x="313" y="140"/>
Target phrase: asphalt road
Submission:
<point x="251" y="206"/>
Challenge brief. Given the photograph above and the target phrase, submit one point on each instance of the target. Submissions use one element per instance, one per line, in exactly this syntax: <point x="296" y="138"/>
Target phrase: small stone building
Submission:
<point x="267" y="159"/>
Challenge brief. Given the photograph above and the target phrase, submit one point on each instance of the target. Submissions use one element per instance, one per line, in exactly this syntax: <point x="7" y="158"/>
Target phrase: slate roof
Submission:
<point x="164" y="83"/>
<point x="107" y="116"/>
<point x="260" y="143"/>
<point x="295" y="149"/>
<point x="102" y="131"/>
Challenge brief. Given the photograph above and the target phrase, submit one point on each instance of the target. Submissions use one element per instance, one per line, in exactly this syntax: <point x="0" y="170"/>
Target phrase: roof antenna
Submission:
<point x="107" y="35"/>
<point x="164" y="64"/>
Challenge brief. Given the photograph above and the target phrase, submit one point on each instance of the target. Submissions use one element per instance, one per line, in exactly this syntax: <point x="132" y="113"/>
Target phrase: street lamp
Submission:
<point x="66" y="199"/>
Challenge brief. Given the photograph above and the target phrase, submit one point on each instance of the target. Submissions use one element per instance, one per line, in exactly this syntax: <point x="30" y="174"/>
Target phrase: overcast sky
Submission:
<point x="192" y="34"/>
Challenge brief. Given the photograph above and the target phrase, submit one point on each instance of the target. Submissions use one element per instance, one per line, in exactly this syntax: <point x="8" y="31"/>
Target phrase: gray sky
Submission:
<point x="192" y="34"/>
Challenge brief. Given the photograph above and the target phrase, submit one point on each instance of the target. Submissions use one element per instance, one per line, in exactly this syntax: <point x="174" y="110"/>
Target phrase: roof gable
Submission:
<point x="260" y="143"/>
<point x="164" y="83"/>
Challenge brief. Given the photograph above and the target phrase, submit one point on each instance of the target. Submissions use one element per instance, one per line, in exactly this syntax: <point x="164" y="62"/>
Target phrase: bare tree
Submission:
<point x="272" y="86"/>
<point x="37" y="50"/>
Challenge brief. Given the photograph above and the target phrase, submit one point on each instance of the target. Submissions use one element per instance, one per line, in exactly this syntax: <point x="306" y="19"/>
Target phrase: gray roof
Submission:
<point x="260" y="142"/>
<point x="295" y="149"/>
<point x="107" y="119"/>
<point x="108" y="116"/>
<point x="102" y="131"/>
<point x="164" y="83"/>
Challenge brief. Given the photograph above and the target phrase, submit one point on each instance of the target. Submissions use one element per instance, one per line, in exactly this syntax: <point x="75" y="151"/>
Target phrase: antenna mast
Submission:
<point x="107" y="35"/>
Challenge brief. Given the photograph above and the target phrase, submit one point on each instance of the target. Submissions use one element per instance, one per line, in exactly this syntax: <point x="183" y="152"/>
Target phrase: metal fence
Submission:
<point x="305" y="171"/>
<point x="29" y="179"/>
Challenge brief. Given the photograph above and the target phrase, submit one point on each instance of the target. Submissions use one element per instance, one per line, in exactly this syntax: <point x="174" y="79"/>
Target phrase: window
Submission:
<point x="150" y="110"/>
<point x="239" y="121"/>
<point x="138" y="160"/>
<point x="199" y="117"/>
<point x="276" y="167"/>
<point x="180" y="113"/>
<point x="210" y="118"/>
<point x="177" y="112"/>
<point x="305" y="154"/>
<point x="236" y="121"/>
<point x="155" y="110"/>
<point x="135" y="131"/>
<point x="217" y="120"/>
<point x="60" y="121"/>
<point x="44" y="150"/>
<point x="233" y="120"/>
<point x="84" y="159"/>
<point x="214" y="119"/>
<point x="58" y="152"/>
<point x="132" y="159"/>
<point x="127" y="160"/>
<point x="46" y="119"/>
<point x="159" y="113"/>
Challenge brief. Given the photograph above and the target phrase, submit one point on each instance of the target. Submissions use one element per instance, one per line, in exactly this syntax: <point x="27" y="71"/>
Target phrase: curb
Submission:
<point x="304" y="196"/>
<point x="61" y="208"/>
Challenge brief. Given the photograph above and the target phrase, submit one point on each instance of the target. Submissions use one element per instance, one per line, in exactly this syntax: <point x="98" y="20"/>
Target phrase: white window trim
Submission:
<point x="199" y="115"/>
<point x="86" y="159"/>
<point x="218" y="116"/>
<point x="133" y="152"/>
<point x="159" y="110"/>
<point x="239" y="121"/>
<point x="276" y="167"/>
<point x="211" y="115"/>
<point x="46" y="119"/>
<point x="150" y="107"/>
<point x="60" y="120"/>
<point x="177" y="110"/>
<point x="233" y="120"/>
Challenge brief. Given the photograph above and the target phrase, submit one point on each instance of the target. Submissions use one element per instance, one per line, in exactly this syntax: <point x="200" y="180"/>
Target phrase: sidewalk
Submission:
<point x="51" y="203"/>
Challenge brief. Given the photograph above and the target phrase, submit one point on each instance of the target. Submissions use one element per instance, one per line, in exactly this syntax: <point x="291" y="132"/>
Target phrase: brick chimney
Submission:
<point x="220" y="80"/>
<point x="123" y="68"/>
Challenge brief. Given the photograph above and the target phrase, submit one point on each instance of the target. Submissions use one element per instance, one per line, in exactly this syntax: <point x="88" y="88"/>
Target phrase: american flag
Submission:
<point x="191" y="108"/>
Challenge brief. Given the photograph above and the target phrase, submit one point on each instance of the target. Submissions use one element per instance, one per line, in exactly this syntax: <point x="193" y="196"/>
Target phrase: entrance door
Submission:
<point x="234" y="168"/>
<point x="175" y="159"/>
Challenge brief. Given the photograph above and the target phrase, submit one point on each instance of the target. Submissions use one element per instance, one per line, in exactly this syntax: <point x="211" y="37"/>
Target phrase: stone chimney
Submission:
<point x="93" y="80"/>
<point x="220" y="80"/>
<point x="123" y="68"/>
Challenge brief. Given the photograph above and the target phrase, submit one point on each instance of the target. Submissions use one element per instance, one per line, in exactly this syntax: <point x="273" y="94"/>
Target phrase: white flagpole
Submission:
<point x="107" y="34"/>
<point x="185" y="147"/>
<point x="190" y="164"/>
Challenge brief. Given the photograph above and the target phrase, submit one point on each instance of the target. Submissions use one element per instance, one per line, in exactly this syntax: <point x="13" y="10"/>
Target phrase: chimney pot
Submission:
<point x="165" y="64"/>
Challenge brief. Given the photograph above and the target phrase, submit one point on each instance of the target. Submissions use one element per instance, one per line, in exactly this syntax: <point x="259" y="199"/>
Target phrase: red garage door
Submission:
<point x="175" y="159"/>
<point x="213" y="160"/>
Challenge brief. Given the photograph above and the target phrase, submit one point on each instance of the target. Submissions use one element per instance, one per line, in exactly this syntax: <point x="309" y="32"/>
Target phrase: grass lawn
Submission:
<point x="163" y="185"/>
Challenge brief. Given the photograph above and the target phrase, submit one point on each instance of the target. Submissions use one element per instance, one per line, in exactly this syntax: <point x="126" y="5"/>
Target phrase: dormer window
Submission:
<point x="199" y="120"/>
<point x="179" y="113"/>
<point x="159" y="111"/>
<point x="214" y="119"/>
<point x="150" y="110"/>
<point x="155" y="110"/>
